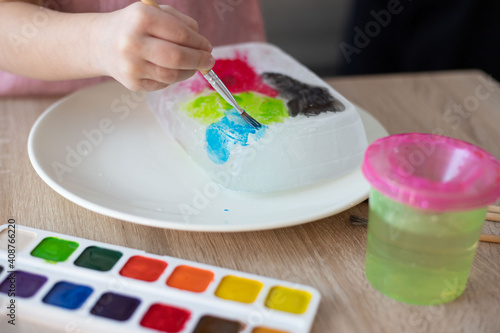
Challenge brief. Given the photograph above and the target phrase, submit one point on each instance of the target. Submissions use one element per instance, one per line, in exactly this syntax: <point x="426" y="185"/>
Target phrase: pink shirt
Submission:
<point x="221" y="21"/>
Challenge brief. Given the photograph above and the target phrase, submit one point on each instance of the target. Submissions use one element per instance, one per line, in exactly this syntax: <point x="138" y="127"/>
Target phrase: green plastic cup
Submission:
<point x="427" y="207"/>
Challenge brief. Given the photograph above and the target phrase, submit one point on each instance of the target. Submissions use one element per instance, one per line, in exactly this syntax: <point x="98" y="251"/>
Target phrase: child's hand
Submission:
<point x="146" y="48"/>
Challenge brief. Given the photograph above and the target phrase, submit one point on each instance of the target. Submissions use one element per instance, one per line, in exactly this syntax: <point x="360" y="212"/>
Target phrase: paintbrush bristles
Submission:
<point x="358" y="220"/>
<point x="248" y="118"/>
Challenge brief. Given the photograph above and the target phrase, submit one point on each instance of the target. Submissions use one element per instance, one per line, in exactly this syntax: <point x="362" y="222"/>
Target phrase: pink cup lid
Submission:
<point x="432" y="172"/>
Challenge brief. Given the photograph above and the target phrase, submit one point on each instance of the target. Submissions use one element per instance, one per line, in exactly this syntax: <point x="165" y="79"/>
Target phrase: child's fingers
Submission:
<point x="151" y="48"/>
<point x="149" y="85"/>
<point x="170" y="55"/>
<point x="170" y="76"/>
<point x="158" y="78"/>
<point x="169" y="27"/>
<point x="166" y="75"/>
<point x="189" y="21"/>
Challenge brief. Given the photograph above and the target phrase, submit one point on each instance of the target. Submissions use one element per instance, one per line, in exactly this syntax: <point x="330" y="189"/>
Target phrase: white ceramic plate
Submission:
<point x="103" y="149"/>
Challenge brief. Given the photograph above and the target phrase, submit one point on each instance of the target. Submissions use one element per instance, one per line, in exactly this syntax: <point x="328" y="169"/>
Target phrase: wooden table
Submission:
<point x="327" y="254"/>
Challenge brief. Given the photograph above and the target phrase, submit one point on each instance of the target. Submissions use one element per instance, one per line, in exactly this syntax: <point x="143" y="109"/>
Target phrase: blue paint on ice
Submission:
<point x="229" y="131"/>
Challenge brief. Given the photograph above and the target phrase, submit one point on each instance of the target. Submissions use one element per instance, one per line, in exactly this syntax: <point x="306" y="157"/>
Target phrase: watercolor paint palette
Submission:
<point x="310" y="132"/>
<point x="64" y="283"/>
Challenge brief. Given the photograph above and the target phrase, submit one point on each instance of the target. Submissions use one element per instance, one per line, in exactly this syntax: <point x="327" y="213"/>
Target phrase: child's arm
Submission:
<point x="142" y="47"/>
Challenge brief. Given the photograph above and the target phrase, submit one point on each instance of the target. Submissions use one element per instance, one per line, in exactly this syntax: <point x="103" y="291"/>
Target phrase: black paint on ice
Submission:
<point x="303" y="98"/>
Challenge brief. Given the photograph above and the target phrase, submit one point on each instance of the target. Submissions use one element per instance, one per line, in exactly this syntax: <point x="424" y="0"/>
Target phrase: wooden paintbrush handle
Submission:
<point x="151" y="3"/>
<point x="363" y="221"/>
<point x="494" y="209"/>
<point x="490" y="238"/>
<point x="493" y="217"/>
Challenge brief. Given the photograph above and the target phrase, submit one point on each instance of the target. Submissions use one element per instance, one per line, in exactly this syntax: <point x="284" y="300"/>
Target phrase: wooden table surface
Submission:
<point x="327" y="254"/>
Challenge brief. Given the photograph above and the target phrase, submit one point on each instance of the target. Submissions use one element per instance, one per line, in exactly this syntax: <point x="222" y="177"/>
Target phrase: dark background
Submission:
<point x="424" y="35"/>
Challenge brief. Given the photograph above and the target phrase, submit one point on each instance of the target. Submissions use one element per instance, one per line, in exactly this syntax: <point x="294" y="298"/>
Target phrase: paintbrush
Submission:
<point x="363" y="221"/>
<point x="218" y="85"/>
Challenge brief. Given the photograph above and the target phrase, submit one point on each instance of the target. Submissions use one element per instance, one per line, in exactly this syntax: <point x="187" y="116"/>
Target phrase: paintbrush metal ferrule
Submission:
<point x="221" y="88"/>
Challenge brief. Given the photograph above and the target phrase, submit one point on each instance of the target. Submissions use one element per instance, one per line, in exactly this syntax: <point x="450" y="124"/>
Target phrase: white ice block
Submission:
<point x="298" y="151"/>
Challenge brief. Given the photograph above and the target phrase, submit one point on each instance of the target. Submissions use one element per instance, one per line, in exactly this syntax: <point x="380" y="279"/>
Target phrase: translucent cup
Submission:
<point x="427" y="207"/>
